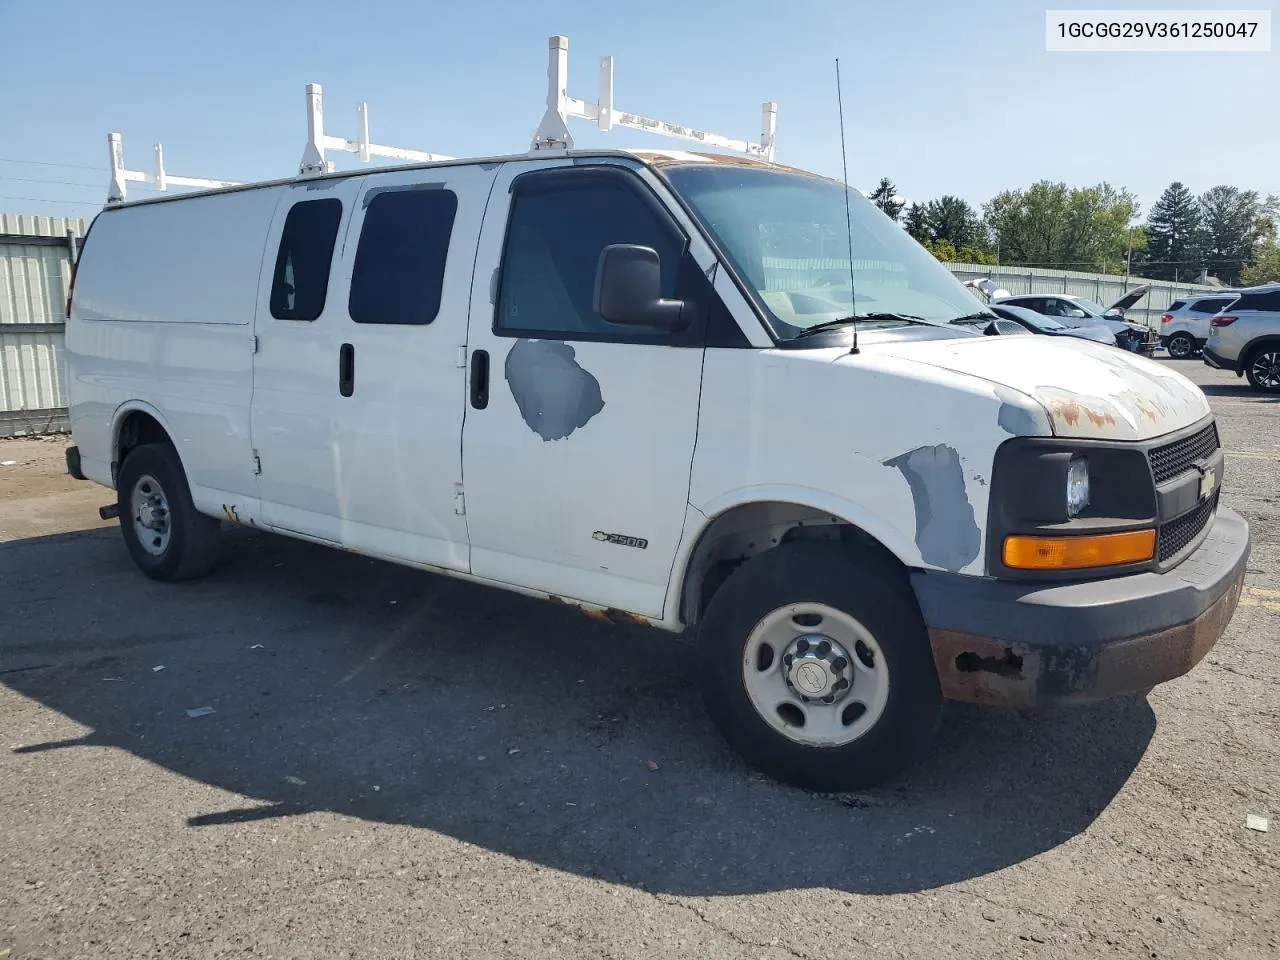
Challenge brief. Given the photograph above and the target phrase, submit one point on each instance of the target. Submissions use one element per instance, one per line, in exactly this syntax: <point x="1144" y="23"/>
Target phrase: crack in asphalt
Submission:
<point x="731" y="934"/>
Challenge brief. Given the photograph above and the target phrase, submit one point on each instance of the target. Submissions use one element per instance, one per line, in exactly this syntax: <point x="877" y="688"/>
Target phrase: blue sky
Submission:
<point x="939" y="97"/>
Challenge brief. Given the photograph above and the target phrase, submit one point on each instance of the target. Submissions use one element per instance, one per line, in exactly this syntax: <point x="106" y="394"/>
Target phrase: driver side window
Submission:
<point x="556" y="232"/>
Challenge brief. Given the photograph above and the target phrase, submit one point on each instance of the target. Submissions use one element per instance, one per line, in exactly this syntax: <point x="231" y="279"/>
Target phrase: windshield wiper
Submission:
<point x="858" y="318"/>
<point x="971" y="318"/>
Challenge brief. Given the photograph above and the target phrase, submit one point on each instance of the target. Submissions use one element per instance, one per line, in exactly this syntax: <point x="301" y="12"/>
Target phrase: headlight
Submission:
<point x="1077" y="485"/>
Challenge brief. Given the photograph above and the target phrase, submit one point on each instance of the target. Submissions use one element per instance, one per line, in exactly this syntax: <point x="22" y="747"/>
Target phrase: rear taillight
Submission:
<point x="71" y="287"/>
<point x="1222" y="321"/>
<point x="1166" y="318"/>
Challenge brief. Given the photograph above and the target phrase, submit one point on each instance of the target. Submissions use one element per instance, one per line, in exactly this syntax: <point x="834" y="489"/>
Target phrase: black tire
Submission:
<point x="1268" y="353"/>
<point x="881" y="601"/>
<point x="192" y="546"/>
<point x="1181" y="346"/>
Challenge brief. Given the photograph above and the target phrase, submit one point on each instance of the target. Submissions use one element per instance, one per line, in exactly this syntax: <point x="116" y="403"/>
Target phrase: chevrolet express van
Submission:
<point x="659" y="387"/>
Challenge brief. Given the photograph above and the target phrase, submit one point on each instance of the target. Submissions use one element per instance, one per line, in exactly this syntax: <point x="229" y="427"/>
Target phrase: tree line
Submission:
<point x="1225" y="232"/>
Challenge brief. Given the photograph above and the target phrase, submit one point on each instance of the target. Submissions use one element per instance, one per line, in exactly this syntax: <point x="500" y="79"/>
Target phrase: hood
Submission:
<point x="1130" y="298"/>
<point x="1087" y="389"/>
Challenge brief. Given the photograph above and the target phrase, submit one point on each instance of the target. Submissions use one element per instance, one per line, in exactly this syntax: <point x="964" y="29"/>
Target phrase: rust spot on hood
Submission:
<point x="1070" y="411"/>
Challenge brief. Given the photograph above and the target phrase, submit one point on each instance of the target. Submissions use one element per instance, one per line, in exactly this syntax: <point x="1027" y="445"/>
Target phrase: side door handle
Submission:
<point x="480" y="379"/>
<point x="347" y="370"/>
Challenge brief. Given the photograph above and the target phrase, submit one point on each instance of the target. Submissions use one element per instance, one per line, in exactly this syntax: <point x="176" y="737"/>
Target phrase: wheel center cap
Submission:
<point x="811" y="677"/>
<point x="151" y="517"/>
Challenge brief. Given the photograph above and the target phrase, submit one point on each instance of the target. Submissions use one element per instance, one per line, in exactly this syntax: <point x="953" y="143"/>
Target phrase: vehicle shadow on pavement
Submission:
<point x="1240" y="391"/>
<point x="343" y="684"/>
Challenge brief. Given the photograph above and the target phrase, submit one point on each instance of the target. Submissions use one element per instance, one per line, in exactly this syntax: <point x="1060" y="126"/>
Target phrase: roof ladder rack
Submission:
<point x="161" y="179"/>
<point x="318" y="142"/>
<point x="553" y="132"/>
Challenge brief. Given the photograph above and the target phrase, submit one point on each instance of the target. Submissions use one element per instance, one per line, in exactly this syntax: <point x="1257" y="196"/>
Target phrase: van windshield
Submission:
<point x="785" y="234"/>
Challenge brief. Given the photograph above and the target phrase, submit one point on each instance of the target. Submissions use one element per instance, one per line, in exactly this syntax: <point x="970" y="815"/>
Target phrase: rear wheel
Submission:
<point x="1180" y="346"/>
<point x="166" y="536"/>
<point x="1263" y="368"/>
<point x="817" y="667"/>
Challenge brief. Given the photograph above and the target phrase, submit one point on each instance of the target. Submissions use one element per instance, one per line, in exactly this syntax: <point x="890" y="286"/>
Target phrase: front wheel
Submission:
<point x="1180" y="346"/>
<point x="1263" y="369"/>
<point x="166" y="536"/>
<point x="817" y="667"/>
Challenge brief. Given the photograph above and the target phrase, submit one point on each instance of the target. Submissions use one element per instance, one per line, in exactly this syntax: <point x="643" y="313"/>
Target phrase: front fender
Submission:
<point x="698" y="520"/>
<point x="899" y="542"/>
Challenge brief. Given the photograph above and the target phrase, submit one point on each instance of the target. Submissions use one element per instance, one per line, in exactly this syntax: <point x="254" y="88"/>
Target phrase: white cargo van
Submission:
<point x="653" y="386"/>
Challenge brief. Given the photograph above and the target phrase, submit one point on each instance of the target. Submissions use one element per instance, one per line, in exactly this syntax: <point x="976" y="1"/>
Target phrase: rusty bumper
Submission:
<point x="1019" y="644"/>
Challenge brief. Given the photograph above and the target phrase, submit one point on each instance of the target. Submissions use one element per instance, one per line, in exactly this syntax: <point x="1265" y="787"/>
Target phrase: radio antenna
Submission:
<point x="848" y="217"/>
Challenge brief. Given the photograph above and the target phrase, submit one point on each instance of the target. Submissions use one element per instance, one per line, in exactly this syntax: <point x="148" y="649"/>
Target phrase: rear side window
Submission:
<point x="301" y="279"/>
<point x="404" y="244"/>
<point x="1268" y="301"/>
<point x="1210" y="306"/>
<point x="1176" y="305"/>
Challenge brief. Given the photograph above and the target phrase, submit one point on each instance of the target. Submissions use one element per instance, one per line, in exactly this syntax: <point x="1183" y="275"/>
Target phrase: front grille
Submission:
<point x="1174" y="459"/>
<point x="1174" y="536"/>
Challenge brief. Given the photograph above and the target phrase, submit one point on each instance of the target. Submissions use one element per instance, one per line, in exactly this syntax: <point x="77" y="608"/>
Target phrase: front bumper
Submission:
<point x="1019" y="644"/>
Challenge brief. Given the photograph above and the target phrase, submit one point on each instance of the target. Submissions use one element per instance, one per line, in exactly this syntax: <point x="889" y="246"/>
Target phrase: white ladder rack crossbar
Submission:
<point x="314" y="162"/>
<point x="553" y="132"/>
<point x="160" y="179"/>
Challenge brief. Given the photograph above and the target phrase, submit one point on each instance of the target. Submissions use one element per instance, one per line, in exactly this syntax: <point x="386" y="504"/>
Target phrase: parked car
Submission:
<point x="1073" y="311"/>
<point x="1244" y="337"/>
<point x="1184" y="327"/>
<point x="1040" y="323"/>
<point x="571" y="376"/>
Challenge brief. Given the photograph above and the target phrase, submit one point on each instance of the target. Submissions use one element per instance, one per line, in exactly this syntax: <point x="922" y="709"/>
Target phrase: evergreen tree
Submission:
<point x="1174" y="236"/>
<point x="916" y="223"/>
<point x="885" y="196"/>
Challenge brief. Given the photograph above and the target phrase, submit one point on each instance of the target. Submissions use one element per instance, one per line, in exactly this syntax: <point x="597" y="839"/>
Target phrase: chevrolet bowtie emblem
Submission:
<point x="1208" y="480"/>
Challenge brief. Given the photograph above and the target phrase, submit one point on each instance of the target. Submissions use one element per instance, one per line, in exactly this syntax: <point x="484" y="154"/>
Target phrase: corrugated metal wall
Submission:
<point x="35" y="269"/>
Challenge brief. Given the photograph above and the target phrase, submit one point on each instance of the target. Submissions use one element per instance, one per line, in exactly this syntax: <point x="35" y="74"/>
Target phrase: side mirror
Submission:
<point x="1114" y="314"/>
<point x="628" y="289"/>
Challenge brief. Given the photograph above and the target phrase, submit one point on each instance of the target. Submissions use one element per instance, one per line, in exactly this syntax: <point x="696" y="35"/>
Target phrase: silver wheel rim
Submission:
<point x="1266" y="369"/>
<point x="815" y="675"/>
<point x="1179" y="347"/>
<point x="149" y="508"/>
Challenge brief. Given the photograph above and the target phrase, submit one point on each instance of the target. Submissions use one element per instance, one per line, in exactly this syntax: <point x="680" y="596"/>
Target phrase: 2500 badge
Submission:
<point x="619" y="539"/>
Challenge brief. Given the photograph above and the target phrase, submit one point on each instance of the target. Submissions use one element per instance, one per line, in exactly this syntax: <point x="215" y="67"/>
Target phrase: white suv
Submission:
<point x="1184" y="329"/>
<point x="1245" y="338"/>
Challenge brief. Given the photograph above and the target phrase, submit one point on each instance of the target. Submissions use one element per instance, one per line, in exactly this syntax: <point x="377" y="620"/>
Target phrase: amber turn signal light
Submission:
<point x="1078" y="553"/>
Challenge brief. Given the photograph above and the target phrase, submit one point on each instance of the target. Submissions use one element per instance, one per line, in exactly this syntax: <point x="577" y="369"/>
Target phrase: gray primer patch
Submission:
<point x="946" y="531"/>
<point x="1014" y="418"/>
<point x="554" y="394"/>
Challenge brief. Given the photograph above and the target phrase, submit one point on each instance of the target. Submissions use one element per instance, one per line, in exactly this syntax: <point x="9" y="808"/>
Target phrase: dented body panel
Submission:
<point x="899" y="449"/>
